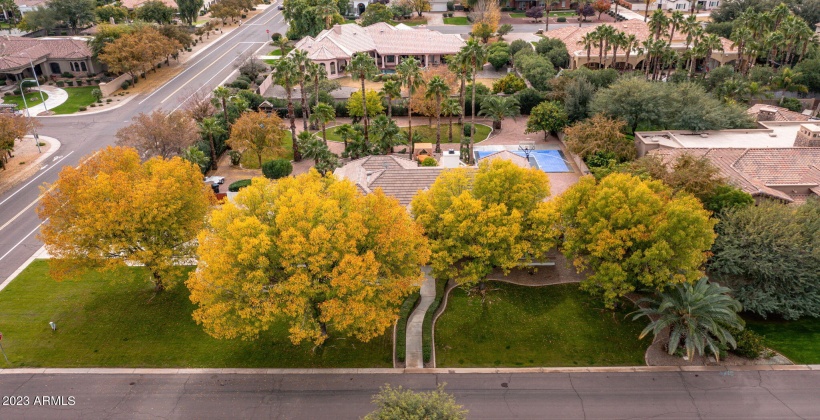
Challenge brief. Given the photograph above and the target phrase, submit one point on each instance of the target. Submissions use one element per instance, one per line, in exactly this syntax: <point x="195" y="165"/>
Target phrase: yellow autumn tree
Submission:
<point x="632" y="233"/>
<point x="477" y="221"/>
<point x="309" y="250"/>
<point x="258" y="132"/>
<point x="114" y="210"/>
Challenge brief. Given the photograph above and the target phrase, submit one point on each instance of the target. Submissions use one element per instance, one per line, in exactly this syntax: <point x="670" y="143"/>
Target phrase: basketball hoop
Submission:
<point x="527" y="147"/>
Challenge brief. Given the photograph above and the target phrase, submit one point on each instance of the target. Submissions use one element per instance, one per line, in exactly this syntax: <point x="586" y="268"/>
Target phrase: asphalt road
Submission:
<point x="82" y="135"/>
<point x="669" y="395"/>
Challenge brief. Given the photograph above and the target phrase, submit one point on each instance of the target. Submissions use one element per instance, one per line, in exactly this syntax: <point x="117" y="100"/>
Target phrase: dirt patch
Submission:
<point x="21" y="165"/>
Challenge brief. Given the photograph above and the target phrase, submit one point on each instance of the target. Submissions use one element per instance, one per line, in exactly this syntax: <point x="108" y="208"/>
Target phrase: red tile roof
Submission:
<point x="15" y="52"/>
<point x="780" y="113"/>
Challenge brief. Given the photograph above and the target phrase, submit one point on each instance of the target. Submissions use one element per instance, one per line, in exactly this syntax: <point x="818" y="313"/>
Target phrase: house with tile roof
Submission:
<point x="26" y="6"/>
<point x="133" y="4"/>
<point x="780" y="160"/>
<point x="48" y="56"/>
<point x="333" y="48"/>
<point x="397" y="177"/>
<point x="763" y="112"/>
<point x="572" y="35"/>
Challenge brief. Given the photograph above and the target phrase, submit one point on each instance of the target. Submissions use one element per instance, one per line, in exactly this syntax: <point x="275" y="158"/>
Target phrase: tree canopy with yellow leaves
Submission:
<point x="114" y="210"/>
<point x="632" y="233"/>
<point x="309" y="250"/>
<point x="477" y="221"/>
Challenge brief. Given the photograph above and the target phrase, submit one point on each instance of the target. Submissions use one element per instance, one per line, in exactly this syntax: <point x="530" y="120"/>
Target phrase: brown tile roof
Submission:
<point x="16" y="51"/>
<point x="132" y="4"/>
<point x="507" y="155"/>
<point x="396" y="176"/>
<point x="780" y="113"/>
<point x="759" y="171"/>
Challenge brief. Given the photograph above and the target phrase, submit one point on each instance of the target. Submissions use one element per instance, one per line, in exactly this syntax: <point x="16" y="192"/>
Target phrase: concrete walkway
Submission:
<point x="56" y="97"/>
<point x="415" y="355"/>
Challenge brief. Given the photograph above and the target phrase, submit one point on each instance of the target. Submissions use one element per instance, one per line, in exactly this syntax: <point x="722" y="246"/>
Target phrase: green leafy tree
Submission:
<point x="495" y="217"/>
<point x="373" y="101"/>
<point x="155" y="11"/>
<point x="770" y="255"/>
<point x="632" y="233"/>
<point x="196" y="156"/>
<point x="323" y="114"/>
<point x="437" y="89"/>
<point x="498" y="108"/>
<point x="363" y="67"/>
<point x="509" y="84"/>
<point x="726" y="197"/>
<point x="406" y="404"/>
<point x="698" y="317"/>
<point x="375" y="13"/>
<point x="599" y="135"/>
<point x="548" y="117"/>
<point x="578" y="97"/>
<point x="189" y="10"/>
<point x="74" y="13"/>
<point x="39" y="18"/>
<point x="110" y="11"/>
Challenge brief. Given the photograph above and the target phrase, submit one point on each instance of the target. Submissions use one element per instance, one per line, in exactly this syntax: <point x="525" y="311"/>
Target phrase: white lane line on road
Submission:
<point x="34" y="179"/>
<point x="21" y="240"/>
<point x="20" y="212"/>
<point x="204" y="70"/>
<point x="239" y="31"/>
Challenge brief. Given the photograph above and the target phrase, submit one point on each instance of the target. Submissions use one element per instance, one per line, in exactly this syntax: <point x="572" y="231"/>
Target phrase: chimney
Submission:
<point x="766" y="114"/>
<point x="808" y="136"/>
<point x="337" y="29"/>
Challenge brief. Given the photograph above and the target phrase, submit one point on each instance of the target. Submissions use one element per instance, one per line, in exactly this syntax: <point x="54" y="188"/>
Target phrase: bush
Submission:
<point x="70" y="83"/>
<point x="79" y="82"/>
<point x="528" y="99"/>
<point x="499" y="59"/>
<point x="93" y="105"/>
<point x="126" y="84"/>
<point x="277" y="168"/>
<point x="451" y="6"/>
<point x="17" y="92"/>
<point x="67" y="75"/>
<point x="466" y="129"/>
<point x="429" y="161"/>
<point x="238" y="185"/>
<point x="275" y="36"/>
<point x="60" y="83"/>
<point x="108" y="100"/>
<point x="792" y="104"/>
<point x="235" y="156"/>
<point x="749" y="343"/>
<point x="509" y="84"/>
<point x="562" y="19"/>
<point x="518" y="45"/>
<point x="240" y="84"/>
<point x="7" y="94"/>
<point x="82" y="108"/>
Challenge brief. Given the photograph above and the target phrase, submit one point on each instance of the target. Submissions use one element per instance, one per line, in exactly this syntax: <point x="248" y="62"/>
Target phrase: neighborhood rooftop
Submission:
<point x="396" y="176"/>
<point x="773" y="134"/>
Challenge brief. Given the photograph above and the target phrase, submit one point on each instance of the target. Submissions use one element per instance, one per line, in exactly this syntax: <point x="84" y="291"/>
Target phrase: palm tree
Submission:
<point x="548" y="4"/>
<point x="598" y="38"/>
<point x="587" y="41"/>
<point x="363" y="67"/>
<point x="499" y="107"/>
<point x="222" y="94"/>
<point x="477" y="55"/>
<point x="345" y="131"/>
<point x="323" y="114"/>
<point x="617" y="40"/>
<point x="449" y="108"/>
<point x="316" y="73"/>
<point x="698" y="315"/>
<point x="630" y="42"/>
<point x="711" y="43"/>
<point x="657" y="23"/>
<point x="301" y="60"/>
<point x="386" y="132"/>
<point x="607" y="34"/>
<point x="286" y="73"/>
<point x="646" y="11"/>
<point x="391" y="89"/>
<point x="690" y="27"/>
<point x="410" y="76"/>
<point x="437" y="88"/>
<point x="779" y="13"/>
<point x="282" y="43"/>
<point x="741" y="36"/>
<point x="460" y="66"/>
<point x="786" y="80"/>
<point x="210" y="127"/>
<point x="675" y="22"/>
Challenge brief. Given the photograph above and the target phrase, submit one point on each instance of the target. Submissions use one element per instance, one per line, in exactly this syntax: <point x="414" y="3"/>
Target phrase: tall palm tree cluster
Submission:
<point x="777" y="37"/>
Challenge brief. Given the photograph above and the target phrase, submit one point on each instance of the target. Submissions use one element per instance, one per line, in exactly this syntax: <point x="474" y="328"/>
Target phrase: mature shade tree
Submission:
<point x="310" y="251"/>
<point x="363" y="67"/>
<point x="632" y="233"/>
<point x="477" y="221"/>
<point x="155" y="11"/>
<point x="189" y="10"/>
<point x="808" y="74"/>
<point x="159" y="134"/>
<point x="74" y="13"/>
<point x="548" y="116"/>
<point x="258" y="132"/>
<point x="600" y="7"/>
<point x="578" y="97"/>
<point x="375" y="13"/>
<point x="411" y="78"/>
<point x="633" y="100"/>
<point x="137" y="51"/>
<point x="114" y="210"/>
<point x="599" y="135"/>
<point x="770" y="255"/>
<point x="110" y="11"/>
<point x="373" y="103"/>
<point x="697" y="317"/>
<point x="497" y="108"/>
<point x="406" y="404"/>
<point x="12" y="128"/>
<point x="39" y="18"/>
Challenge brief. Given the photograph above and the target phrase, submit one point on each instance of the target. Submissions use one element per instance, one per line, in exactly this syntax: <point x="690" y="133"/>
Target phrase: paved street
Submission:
<point x="670" y="395"/>
<point x="81" y="135"/>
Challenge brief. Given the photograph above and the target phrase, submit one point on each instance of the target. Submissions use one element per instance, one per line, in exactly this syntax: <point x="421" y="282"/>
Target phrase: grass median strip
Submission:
<point x="114" y="320"/>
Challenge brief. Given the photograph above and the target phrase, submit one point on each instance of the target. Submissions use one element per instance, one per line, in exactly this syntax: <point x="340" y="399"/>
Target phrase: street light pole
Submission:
<point x="36" y="80"/>
<point x="28" y="113"/>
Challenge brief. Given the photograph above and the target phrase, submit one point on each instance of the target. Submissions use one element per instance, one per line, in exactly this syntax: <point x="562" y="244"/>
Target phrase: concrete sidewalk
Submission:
<point x="415" y="355"/>
<point x="56" y="97"/>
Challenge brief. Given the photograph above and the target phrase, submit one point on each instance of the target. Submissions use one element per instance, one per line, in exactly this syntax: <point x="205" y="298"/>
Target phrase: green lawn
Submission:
<point x="410" y="22"/>
<point x="110" y="321"/>
<point x="535" y="326"/>
<point x="278" y="51"/>
<point x="32" y="99"/>
<point x="459" y="20"/>
<point x="250" y="161"/>
<point x="77" y="97"/>
<point x="798" y="340"/>
<point x="428" y="132"/>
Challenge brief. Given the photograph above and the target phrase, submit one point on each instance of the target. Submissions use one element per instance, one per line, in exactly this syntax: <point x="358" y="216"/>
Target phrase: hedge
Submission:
<point x="238" y="185"/>
<point x="401" y="325"/>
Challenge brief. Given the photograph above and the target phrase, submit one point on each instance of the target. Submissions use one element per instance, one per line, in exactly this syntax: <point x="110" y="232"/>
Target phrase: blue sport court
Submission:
<point x="545" y="160"/>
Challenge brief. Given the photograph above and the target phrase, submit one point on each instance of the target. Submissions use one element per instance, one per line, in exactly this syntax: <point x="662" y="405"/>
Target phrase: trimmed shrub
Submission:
<point x="238" y="185"/>
<point x="79" y="82"/>
<point x="70" y="83"/>
<point x="429" y="161"/>
<point x="509" y="84"/>
<point x="749" y="343"/>
<point x="82" y="108"/>
<point x="451" y="6"/>
<point x="277" y="168"/>
<point x="125" y="85"/>
<point x="562" y="19"/>
<point x="465" y="129"/>
<point x="240" y="84"/>
<point x="67" y="75"/>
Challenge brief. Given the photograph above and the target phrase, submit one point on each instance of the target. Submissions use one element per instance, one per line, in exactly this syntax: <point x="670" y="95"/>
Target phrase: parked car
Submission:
<point x="215" y="179"/>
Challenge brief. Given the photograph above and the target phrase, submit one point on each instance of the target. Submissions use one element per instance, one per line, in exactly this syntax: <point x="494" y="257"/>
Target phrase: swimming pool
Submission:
<point x="545" y="160"/>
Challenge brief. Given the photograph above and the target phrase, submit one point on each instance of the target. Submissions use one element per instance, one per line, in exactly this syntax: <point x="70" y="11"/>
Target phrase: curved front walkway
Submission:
<point x="56" y="97"/>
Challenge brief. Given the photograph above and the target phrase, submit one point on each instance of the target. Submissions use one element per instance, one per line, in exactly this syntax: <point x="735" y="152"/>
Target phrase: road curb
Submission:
<point x="81" y="113"/>
<point x="393" y="371"/>
<point x="38" y="254"/>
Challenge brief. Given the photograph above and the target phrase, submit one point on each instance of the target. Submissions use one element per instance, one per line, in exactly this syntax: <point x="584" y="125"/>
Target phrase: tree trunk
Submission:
<point x="410" y="144"/>
<point x="472" y="114"/>
<point x="462" y="97"/>
<point x="292" y="117"/>
<point x="225" y="112"/>
<point x="450" y="135"/>
<point x="389" y="107"/>
<point x="213" y="151"/>
<point x="324" y="134"/>
<point x="158" y="285"/>
<point x="547" y="18"/>
<point x="497" y="125"/>
<point x="438" y="124"/>
<point x="305" y="110"/>
<point x="364" y="112"/>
